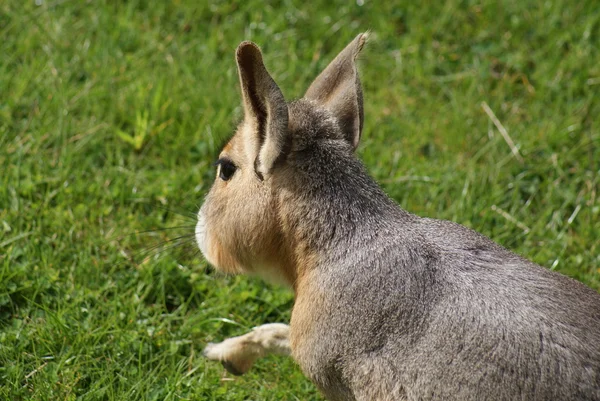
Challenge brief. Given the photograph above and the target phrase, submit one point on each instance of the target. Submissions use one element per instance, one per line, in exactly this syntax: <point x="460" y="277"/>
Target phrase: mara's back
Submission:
<point x="439" y="311"/>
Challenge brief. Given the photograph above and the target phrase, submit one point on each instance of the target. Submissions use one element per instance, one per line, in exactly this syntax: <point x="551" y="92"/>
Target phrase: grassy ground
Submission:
<point x="111" y="113"/>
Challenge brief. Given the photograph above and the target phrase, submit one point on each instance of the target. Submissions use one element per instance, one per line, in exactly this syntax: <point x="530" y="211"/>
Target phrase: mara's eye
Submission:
<point x="226" y="169"/>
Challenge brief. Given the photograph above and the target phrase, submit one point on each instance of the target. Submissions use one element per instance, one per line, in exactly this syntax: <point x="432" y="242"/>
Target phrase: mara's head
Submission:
<point x="242" y="225"/>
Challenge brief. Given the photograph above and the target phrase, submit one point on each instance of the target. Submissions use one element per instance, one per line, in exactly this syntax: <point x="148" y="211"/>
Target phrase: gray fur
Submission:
<point x="404" y="307"/>
<point x="429" y="308"/>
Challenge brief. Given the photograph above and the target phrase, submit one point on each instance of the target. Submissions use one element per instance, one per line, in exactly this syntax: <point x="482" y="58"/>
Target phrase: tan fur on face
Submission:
<point x="242" y="233"/>
<point x="244" y="225"/>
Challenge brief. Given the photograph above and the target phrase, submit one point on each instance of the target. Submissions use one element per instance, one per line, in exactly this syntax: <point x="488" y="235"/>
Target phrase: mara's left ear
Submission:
<point x="265" y="110"/>
<point x="338" y="89"/>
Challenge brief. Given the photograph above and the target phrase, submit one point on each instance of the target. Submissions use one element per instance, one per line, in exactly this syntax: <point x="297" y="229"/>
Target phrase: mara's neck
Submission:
<point x="325" y="219"/>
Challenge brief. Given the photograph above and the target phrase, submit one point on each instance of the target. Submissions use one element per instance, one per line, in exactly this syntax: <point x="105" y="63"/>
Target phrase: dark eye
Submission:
<point x="227" y="168"/>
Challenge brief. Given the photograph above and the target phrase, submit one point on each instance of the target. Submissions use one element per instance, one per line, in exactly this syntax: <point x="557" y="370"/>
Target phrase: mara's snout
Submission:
<point x="201" y="237"/>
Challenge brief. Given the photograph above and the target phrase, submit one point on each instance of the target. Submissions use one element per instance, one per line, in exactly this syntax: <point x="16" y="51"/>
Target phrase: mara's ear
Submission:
<point x="338" y="89"/>
<point x="264" y="108"/>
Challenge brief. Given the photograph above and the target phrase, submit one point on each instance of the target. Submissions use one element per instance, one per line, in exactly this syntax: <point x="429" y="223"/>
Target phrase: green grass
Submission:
<point x="111" y="113"/>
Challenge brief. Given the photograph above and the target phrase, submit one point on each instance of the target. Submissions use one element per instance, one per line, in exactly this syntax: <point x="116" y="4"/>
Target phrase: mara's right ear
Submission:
<point x="264" y="108"/>
<point x="338" y="89"/>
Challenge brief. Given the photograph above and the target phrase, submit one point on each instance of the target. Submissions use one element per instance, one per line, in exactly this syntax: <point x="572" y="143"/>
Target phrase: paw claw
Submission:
<point x="231" y="368"/>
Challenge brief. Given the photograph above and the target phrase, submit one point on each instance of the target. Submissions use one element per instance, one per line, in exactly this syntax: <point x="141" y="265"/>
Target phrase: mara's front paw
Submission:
<point x="234" y="355"/>
<point x="238" y="354"/>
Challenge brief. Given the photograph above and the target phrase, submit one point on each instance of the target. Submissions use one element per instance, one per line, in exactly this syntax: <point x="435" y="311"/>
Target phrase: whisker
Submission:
<point x="182" y="242"/>
<point x="182" y="239"/>
<point x="184" y="236"/>
<point x="116" y="238"/>
<point x="181" y="212"/>
<point x="185" y="213"/>
<point x="160" y="248"/>
<point x="191" y="253"/>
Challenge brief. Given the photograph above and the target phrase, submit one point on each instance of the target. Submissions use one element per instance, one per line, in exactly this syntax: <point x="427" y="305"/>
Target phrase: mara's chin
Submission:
<point x="213" y="252"/>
